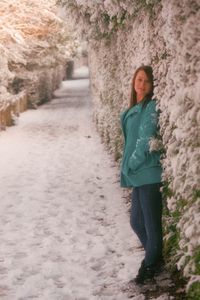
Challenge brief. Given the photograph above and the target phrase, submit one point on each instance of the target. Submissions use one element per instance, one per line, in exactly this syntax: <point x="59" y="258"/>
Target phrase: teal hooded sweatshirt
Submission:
<point x="139" y="166"/>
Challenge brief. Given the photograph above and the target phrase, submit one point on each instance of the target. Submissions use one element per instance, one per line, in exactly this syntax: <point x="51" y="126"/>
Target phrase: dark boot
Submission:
<point x="159" y="266"/>
<point x="145" y="273"/>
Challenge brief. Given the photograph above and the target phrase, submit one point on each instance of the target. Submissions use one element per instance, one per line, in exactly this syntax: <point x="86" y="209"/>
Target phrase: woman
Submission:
<point x="141" y="169"/>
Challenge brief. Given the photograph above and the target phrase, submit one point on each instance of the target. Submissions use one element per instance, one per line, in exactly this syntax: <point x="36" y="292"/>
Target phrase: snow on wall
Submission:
<point x="125" y="34"/>
<point x="34" y="45"/>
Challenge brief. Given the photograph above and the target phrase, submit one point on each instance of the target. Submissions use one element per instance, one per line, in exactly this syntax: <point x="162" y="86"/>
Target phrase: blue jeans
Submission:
<point x="146" y="220"/>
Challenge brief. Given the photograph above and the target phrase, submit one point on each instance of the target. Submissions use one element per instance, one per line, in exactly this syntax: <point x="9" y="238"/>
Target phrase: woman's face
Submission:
<point x="142" y="85"/>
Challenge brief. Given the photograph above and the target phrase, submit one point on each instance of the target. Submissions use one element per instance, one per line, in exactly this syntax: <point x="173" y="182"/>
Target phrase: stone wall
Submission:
<point x="28" y="90"/>
<point x="33" y="56"/>
<point x="10" y="110"/>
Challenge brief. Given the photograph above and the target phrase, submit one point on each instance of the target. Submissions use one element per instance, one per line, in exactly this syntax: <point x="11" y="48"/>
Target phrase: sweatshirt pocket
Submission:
<point x="151" y="160"/>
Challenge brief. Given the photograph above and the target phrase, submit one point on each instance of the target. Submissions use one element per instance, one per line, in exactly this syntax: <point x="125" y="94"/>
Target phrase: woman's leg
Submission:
<point x="136" y="218"/>
<point x="151" y="206"/>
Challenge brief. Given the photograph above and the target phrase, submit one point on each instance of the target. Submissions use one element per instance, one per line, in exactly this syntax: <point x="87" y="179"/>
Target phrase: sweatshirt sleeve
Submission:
<point x="147" y="129"/>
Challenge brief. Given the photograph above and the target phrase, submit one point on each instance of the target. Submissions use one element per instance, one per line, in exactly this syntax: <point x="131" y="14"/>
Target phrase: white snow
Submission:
<point x="64" y="226"/>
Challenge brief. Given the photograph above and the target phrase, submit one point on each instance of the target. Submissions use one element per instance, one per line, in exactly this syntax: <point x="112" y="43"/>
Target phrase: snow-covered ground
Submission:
<point x="64" y="226"/>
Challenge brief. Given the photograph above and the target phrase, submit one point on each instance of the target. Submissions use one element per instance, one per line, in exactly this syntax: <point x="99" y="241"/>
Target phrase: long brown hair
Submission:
<point x="149" y="72"/>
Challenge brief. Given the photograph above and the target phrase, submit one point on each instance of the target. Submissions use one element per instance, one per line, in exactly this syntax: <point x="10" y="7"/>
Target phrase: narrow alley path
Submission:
<point x="64" y="228"/>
